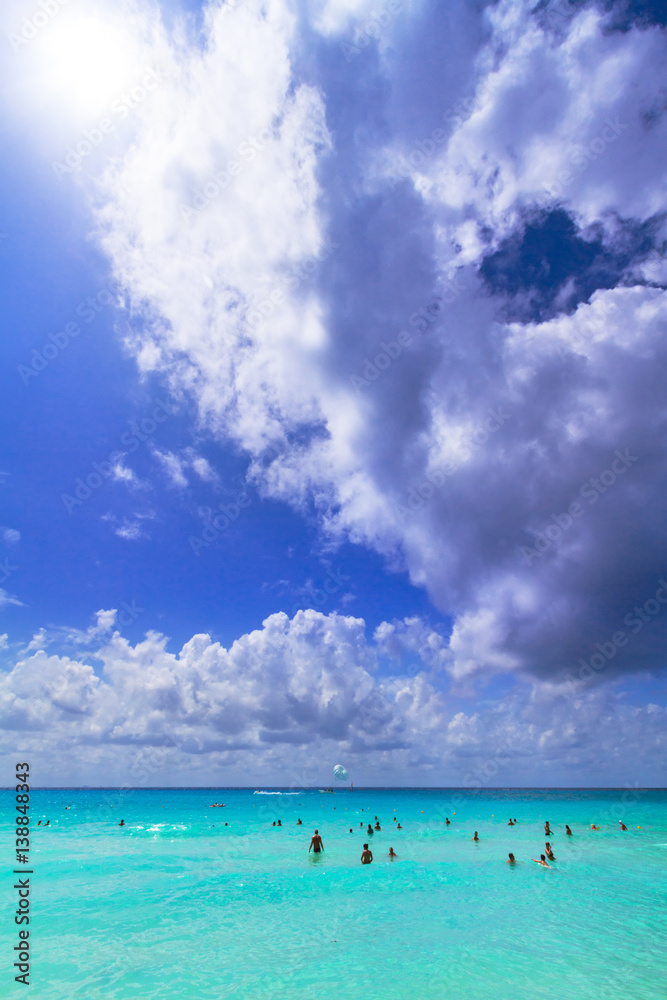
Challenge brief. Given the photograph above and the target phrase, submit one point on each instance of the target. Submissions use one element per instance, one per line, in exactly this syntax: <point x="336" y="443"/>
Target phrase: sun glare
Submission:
<point x="87" y="63"/>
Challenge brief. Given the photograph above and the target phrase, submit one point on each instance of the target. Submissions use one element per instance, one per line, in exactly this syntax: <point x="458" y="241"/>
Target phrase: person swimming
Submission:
<point x="512" y="859"/>
<point x="392" y="853"/>
<point x="623" y="826"/>
<point x="316" y="843"/>
<point x="370" y="830"/>
<point x="448" y="822"/>
<point x="398" y="826"/>
<point x="280" y="822"/>
<point x="475" y="837"/>
<point x="542" y="861"/>
<point x="568" y="831"/>
<point x="366" y="855"/>
<point x="274" y="823"/>
<point x="550" y="853"/>
<point x="122" y="823"/>
<point x="377" y="826"/>
<point x="510" y="823"/>
<point x="594" y="827"/>
<point x="299" y="823"/>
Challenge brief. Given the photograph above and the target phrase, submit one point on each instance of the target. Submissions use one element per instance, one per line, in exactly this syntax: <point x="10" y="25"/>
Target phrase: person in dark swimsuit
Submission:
<point x="316" y="843"/>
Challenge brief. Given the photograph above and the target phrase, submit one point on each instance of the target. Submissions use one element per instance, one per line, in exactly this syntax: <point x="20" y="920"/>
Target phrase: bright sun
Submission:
<point x="86" y="64"/>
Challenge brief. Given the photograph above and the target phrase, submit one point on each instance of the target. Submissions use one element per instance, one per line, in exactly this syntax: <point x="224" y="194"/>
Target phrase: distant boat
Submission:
<point x="326" y="791"/>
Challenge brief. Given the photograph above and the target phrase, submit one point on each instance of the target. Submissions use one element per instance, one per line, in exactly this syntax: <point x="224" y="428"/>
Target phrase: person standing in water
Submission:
<point x="512" y="859"/>
<point x="568" y="831"/>
<point x="475" y="837"/>
<point x="366" y="855"/>
<point x="316" y="843"/>
<point x="392" y="853"/>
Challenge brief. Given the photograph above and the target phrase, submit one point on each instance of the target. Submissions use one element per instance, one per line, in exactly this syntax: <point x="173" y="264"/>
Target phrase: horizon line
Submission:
<point x="310" y="788"/>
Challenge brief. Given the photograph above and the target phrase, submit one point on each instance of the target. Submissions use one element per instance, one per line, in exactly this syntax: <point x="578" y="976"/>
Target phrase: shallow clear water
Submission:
<point x="178" y="905"/>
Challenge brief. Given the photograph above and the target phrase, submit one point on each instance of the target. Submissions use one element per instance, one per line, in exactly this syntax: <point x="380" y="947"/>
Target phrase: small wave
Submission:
<point x="276" y="793"/>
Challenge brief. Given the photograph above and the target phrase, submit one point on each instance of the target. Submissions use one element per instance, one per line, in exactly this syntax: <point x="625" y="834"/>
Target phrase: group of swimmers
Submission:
<point x="367" y="855"/>
<point x="317" y="847"/>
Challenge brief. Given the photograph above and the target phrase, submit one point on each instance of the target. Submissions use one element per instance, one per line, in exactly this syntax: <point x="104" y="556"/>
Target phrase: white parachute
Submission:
<point x="340" y="773"/>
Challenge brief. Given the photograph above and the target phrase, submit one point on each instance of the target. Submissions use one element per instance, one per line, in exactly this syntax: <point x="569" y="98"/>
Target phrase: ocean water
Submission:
<point x="178" y="905"/>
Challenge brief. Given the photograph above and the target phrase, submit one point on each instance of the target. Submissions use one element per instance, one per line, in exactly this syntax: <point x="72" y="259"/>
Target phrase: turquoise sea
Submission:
<point x="178" y="905"/>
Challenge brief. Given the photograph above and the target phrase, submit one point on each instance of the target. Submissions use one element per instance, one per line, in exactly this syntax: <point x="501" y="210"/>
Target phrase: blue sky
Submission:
<point x="333" y="383"/>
